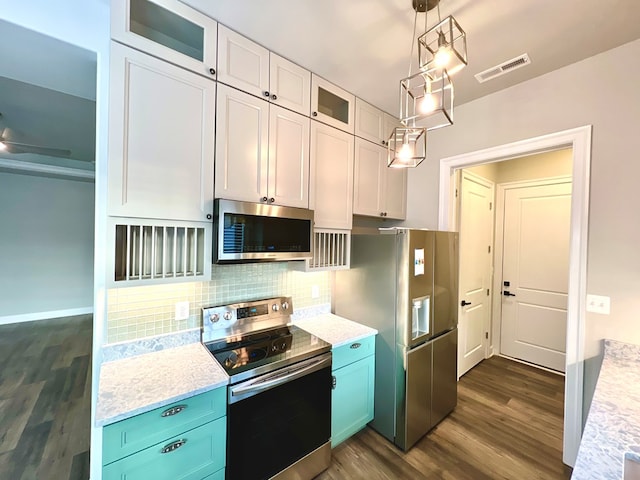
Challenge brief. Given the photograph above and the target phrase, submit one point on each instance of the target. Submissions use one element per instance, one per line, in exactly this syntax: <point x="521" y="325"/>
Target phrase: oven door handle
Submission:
<point x="252" y="387"/>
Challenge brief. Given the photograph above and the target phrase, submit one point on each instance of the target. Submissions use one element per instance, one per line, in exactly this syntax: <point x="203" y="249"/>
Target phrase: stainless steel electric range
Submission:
<point x="279" y="397"/>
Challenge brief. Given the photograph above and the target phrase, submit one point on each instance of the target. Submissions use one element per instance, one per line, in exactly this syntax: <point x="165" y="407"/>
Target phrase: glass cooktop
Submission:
<point x="253" y="354"/>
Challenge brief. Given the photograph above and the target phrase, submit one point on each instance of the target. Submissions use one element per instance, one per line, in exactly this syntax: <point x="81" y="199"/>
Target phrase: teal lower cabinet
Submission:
<point x="352" y="395"/>
<point x="181" y="441"/>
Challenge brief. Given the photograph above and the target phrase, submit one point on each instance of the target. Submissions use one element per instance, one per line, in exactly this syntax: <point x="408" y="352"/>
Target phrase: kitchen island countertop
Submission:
<point x="613" y="425"/>
<point x="138" y="384"/>
<point x="334" y="329"/>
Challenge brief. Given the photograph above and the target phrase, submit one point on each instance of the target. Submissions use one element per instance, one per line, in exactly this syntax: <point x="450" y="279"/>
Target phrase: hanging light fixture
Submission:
<point x="443" y="46"/>
<point x="425" y="96"/>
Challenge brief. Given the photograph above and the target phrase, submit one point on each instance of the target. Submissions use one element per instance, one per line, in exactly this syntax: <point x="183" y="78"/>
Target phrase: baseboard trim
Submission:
<point x="32" y="317"/>
<point x="524" y="362"/>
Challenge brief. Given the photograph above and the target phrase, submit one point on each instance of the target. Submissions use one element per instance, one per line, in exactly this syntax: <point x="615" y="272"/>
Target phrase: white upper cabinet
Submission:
<point x="262" y="151"/>
<point x="288" y="174"/>
<point x="390" y="122"/>
<point x="290" y="85"/>
<point x="331" y="181"/>
<point x="242" y="63"/>
<point x="168" y="30"/>
<point x="370" y="123"/>
<point x="378" y="191"/>
<point x="332" y="105"/>
<point x="242" y="142"/>
<point x="161" y="139"/>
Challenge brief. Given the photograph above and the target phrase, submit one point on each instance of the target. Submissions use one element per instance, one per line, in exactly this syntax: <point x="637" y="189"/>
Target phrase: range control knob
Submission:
<point x="227" y="315"/>
<point x="285" y="305"/>
<point x="214" y="317"/>
<point x="275" y="307"/>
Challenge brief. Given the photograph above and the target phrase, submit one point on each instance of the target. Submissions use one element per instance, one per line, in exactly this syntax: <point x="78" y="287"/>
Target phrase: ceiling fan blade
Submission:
<point x="17" y="148"/>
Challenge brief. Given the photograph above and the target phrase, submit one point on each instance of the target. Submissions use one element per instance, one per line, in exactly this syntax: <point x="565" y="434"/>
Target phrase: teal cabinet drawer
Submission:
<point x="219" y="475"/>
<point x="352" y="399"/>
<point x="354" y="351"/>
<point x="136" y="433"/>
<point x="200" y="453"/>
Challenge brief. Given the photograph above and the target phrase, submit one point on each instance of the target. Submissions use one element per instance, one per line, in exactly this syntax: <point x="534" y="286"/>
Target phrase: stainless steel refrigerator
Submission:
<point x="404" y="283"/>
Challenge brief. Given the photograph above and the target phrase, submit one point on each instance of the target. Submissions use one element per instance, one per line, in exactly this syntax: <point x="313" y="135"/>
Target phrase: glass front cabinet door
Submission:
<point x="168" y="30"/>
<point x="332" y="105"/>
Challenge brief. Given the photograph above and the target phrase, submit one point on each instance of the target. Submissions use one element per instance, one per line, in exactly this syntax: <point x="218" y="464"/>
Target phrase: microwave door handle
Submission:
<point x="280" y="379"/>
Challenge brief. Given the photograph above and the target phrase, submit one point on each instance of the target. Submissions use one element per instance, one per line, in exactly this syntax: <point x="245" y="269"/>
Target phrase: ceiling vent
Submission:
<point x="504" y="67"/>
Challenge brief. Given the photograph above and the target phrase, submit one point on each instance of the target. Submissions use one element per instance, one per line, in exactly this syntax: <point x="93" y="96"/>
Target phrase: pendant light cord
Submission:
<point x="413" y="39"/>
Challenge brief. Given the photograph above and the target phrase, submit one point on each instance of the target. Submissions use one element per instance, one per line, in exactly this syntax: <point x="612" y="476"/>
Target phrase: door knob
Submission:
<point x="507" y="293"/>
<point x="464" y="303"/>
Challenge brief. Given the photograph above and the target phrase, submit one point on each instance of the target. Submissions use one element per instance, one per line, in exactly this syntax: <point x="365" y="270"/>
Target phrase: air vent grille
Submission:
<point x="148" y="252"/>
<point x="331" y="250"/>
<point x="503" y="68"/>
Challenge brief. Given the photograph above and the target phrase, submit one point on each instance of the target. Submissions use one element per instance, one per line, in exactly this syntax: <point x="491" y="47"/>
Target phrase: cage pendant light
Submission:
<point x="443" y="46"/>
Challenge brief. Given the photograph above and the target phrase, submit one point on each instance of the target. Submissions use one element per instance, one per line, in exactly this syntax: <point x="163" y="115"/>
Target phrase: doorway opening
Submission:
<point x="579" y="141"/>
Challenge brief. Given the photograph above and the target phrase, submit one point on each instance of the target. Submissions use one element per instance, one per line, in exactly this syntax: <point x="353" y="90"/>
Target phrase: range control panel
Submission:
<point x="225" y="320"/>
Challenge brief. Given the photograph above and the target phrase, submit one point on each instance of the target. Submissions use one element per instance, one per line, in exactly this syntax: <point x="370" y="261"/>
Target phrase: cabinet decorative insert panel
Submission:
<point x="331" y="250"/>
<point x="151" y="252"/>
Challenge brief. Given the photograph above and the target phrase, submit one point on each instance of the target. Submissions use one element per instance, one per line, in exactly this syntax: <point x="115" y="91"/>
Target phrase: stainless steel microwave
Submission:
<point x="255" y="232"/>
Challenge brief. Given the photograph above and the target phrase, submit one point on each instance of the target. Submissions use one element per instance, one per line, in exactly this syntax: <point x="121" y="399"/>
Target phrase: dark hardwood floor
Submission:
<point x="45" y="399"/>
<point x="507" y="425"/>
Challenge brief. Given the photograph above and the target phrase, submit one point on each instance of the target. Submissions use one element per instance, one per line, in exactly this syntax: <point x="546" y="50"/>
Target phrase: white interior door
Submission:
<point x="476" y="238"/>
<point x="535" y="273"/>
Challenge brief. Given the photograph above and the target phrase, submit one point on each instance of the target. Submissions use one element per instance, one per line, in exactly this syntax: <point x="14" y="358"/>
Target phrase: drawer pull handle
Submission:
<point x="355" y="345"/>
<point x="169" y="412"/>
<point x="333" y="382"/>
<point x="173" y="446"/>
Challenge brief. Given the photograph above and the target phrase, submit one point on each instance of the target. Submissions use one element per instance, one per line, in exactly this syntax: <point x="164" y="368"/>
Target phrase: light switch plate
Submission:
<point x="599" y="304"/>
<point x="182" y="310"/>
<point x="315" y="291"/>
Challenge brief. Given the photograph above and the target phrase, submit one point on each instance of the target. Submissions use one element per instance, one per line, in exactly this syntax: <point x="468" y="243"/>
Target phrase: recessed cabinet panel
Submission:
<point x="288" y="158"/>
<point x="168" y="30"/>
<point x="369" y="180"/>
<point x="242" y="63"/>
<point x="331" y="183"/>
<point x="161" y="125"/>
<point x="396" y="193"/>
<point x="332" y="105"/>
<point x="390" y="122"/>
<point x="242" y="140"/>
<point x="370" y="123"/>
<point x="290" y="85"/>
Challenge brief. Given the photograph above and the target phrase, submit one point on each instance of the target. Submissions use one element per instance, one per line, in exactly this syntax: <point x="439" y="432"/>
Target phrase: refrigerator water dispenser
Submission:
<point x="420" y="317"/>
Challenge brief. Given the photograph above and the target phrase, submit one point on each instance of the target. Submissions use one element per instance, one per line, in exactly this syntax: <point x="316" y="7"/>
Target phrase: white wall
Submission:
<point x="84" y="23"/>
<point x="601" y="91"/>
<point x="46" y="246"/>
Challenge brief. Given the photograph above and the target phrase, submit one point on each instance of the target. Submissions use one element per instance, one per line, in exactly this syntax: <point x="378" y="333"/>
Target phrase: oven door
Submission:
<point x="279" y="418"/>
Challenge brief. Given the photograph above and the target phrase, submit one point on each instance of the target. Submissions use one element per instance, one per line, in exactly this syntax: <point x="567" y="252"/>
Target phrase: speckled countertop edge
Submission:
<point x="138" y="384"/>
<point x="334" y="329"/>
<point x="612" y="430"/>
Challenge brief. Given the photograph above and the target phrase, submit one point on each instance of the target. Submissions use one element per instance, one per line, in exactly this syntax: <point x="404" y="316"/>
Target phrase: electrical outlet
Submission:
<point x="599" y="304"/>
<point x="315" y="291"/>
<point x="182" y="310"/>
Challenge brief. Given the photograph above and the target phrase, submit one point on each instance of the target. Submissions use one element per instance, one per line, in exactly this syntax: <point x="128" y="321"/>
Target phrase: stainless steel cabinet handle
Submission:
<point x="333" y="382"/>
<point x="173" y="446"/>
<point x="355" y="345"/>
<point x="169" y="412"/>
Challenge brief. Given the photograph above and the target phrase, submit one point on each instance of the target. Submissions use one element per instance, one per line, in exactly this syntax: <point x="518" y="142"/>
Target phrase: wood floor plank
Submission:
<point x="507" y="425"/>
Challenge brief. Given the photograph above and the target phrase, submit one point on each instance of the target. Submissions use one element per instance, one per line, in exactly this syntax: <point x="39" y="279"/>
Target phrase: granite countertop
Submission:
<point x="336" y="330"/>
<point x="612" y="430"/>
<point x="137" y="384"/>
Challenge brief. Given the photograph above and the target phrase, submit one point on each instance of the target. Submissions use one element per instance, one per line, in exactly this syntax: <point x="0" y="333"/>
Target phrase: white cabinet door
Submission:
<point x="242" y="63"/>
<point x="369" y="179"/>
<point x="288" y="158"/>
<point x="242" y="139"/>
<point x="390" y="122"/>
<point x="332" y="105"/>
<point x="395" y="202"/>
<point x="290" y="84"/>
<point x="331" y="182"/>
<point x="161" y="128"/>
<point x="370" y="123"/>
<point x="169" y="30"/>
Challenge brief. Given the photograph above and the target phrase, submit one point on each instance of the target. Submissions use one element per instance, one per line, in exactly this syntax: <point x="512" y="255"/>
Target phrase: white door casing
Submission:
<point x="579" y="140"/>
<point x="535" y="264"/>
<point x="476" y="240"/>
